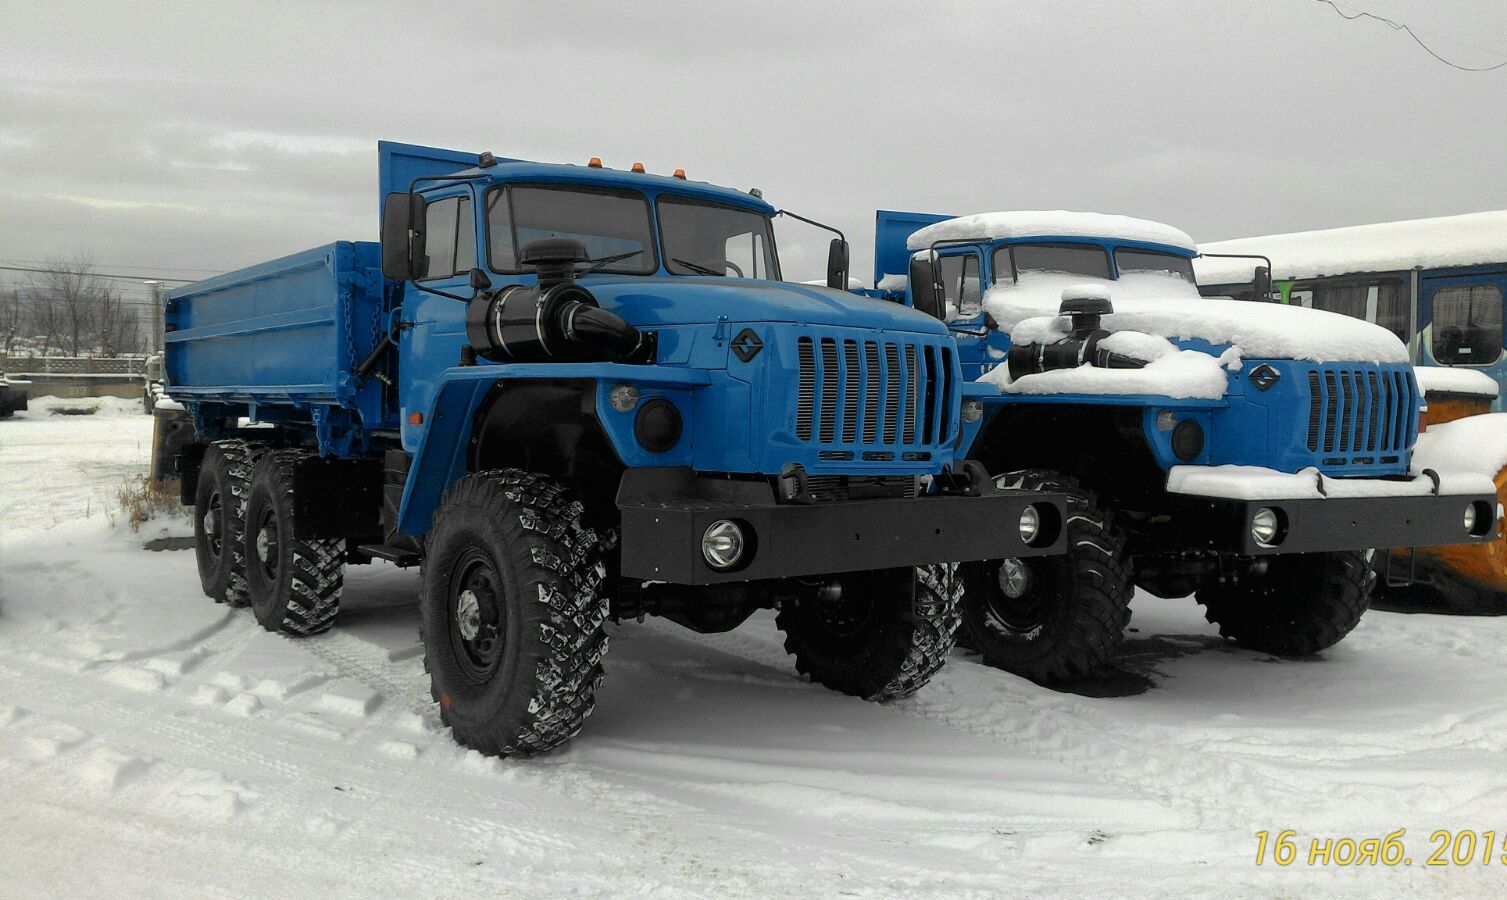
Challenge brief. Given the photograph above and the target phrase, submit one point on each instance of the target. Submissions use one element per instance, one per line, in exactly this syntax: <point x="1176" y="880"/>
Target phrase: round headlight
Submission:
<point x="1188" y="440"/>
<point x="1030" y="524"/>
<point x="973" y="410"/>
<point x="722" y="544"/>
<point x="657" y="425"/>
<point x="1266" y="527"/>
<point x="623" y="397"/>
<point x="1470" y="518"/>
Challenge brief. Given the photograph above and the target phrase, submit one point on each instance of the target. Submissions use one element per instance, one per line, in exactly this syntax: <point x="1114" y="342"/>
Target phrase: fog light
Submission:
<point x="623" y="397"/>
<point x="1030" y="524"/>
<point x="1470" y="518"/>
<point x="1188" y="440"/>
<point x="723" y="544"/>
<point x="973" y="410"/>
<point x="657" y="425"/>
<point x="1266" y="527"/>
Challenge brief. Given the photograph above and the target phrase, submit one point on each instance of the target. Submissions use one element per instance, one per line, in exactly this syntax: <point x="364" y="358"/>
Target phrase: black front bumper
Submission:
<point x="665" y="512"/>
<point x="1324" y="525"/>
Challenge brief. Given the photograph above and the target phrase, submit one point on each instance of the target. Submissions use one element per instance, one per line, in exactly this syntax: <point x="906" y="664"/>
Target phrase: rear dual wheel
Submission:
<point x="293" y="583"/>
<point x="219" y="519"/>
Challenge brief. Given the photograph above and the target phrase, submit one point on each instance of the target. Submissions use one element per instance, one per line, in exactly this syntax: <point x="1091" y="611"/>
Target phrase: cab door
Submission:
<point x="963" y="290"/>
<point x="1462" y="317"/>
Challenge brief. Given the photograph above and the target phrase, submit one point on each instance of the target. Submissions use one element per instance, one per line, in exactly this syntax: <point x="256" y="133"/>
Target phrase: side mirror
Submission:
<point x="837" y="265"/>
<point x="480" y="281"/>
<point x="1262" y="284"/>
<point x="926" y="285"/>
<point x="403" y="216"/>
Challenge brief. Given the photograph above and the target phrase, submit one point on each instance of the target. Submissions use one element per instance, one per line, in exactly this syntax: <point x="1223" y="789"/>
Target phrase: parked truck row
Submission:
<point x="572" y="394"/>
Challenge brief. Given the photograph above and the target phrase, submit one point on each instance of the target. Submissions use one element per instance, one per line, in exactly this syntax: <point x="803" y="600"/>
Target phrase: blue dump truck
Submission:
<point x="572" y="393"/>
<point x="1248" y="454"/>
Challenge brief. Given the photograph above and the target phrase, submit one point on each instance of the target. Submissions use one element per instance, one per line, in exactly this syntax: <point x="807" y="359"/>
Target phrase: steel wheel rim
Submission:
<point x="1016" y="603"/>
<point x="266" y="544"/>
<point x="213" y="523"/>
<point x="475" y="616"/>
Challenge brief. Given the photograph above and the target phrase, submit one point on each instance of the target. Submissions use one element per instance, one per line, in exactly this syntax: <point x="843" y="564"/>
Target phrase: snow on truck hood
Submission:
<point x="1152" y="311"/>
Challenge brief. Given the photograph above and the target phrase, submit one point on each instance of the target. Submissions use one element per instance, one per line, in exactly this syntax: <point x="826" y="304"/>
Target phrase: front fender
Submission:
<point x="441" y="456"/>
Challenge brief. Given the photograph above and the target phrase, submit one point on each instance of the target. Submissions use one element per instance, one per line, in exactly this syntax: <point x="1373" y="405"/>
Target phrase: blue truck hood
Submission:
<point x="647" y="302"/>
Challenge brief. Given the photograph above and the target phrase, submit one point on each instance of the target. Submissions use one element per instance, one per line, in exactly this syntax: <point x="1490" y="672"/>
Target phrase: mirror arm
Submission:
<point x="824" y="227"/>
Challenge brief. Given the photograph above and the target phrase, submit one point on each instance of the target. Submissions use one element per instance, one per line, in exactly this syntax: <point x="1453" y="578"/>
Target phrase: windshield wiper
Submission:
<point x="697" y="267"/>
<point x="606" y="260"/>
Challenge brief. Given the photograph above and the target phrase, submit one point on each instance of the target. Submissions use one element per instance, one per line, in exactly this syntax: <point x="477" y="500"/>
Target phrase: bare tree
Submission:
<point x="14" y="318"/>
<point x="79" y="312"/>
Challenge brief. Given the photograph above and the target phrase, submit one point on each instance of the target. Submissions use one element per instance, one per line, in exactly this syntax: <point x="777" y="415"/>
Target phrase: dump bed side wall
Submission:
<point x="289" y="331"/>
<point x="891" y="229"/>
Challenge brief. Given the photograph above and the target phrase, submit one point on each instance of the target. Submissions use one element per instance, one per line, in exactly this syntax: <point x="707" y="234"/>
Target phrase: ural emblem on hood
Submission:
<point x="1264" y="377"/>
<point x="747" y="345"/>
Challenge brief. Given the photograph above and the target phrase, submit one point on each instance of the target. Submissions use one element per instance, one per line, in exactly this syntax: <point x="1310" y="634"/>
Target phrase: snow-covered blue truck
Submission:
<point x="1248" y="454"/>
<point x="1440" y="285"/>
<point x="571" y="393"/>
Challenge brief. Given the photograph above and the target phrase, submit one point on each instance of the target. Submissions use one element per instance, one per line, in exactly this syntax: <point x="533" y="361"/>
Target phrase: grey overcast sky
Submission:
<point x="208" y="135"/>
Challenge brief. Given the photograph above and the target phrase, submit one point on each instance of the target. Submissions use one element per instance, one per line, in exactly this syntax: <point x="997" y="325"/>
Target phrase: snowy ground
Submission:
<point x="153" y="743"/>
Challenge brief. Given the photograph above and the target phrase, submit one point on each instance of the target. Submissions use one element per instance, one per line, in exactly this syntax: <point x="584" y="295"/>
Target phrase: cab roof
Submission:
<point x="1044" y="224"/>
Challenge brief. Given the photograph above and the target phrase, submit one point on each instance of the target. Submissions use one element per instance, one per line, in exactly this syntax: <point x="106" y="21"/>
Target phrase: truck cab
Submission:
<point x="1243" y="452"/>
<point x="572" y="394"/>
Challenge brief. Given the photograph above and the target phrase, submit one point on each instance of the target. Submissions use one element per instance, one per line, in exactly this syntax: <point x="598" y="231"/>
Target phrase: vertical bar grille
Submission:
<point x="852" y="383"/>
<point x="913" y="392"/>
<point x="830" y="376"/>
<point x="805" y="392"/>
<point x="891" y="392"/>
<point x="870" y="392"/>
<point x="1358" y="411"/>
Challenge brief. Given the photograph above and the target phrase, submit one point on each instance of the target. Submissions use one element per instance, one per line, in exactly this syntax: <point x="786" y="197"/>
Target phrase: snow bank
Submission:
<point x="1171" y="308"/>
<point x="1257" y="483"/>
<point x="1451" y="380"/>
<point x="1385" y="247"/>
<point x="1473" y="444"/>
<point x="1050" y="223"/>
<point x="894" y="283"/>
<point x="82" y="406"/>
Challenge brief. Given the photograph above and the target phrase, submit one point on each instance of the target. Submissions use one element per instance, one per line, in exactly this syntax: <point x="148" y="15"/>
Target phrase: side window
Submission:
<point x="960" y="282"/>
<point x="744" y="254"/>
<point x="1392" y="308"/>
<point x="450" y="241"/>
<point x="500" y="229"/>
<point x="970" y="297"/>
<point x="1347" y="300"/>
<point x="1468" y="324"/>
<point x="952" y="281"/>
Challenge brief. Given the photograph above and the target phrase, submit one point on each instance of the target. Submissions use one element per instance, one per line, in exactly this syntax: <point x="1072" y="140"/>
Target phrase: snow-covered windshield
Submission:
<point x="1017" y="260"/>
<point x="1129" y="261"/>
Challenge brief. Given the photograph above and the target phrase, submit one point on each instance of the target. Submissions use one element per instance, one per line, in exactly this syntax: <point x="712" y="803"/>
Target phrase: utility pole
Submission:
<point x="157" y="315"/>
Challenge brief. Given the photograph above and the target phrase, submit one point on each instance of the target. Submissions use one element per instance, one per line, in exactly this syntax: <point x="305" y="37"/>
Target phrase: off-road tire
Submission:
<point x="1072" y="618"/>
<point x="1302" y="604"/>
<point x="532" y="683"/>
<point x="906" y="626"/>
<point x="295" y="589"/>
<point x="224" y="482"/>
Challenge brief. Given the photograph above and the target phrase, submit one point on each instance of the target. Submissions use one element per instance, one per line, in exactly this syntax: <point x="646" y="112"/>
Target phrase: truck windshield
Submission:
<point x="703" y="238"/>
<point x="1010" y="263"/>
<point x="1128" y="261"/>
<point x="610" y="223"/>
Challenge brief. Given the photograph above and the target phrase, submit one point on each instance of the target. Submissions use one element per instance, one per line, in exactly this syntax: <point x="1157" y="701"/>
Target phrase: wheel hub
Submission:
<point x="211" y="525"/>
<point x="264" y="541"/>
<point x="1014" y="578"/>
<point x="468" y="615"/>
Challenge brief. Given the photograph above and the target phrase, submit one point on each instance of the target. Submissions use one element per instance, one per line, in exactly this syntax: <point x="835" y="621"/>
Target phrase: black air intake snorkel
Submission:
<point x="556" y="320"/>
<point x="1086" y="305"/>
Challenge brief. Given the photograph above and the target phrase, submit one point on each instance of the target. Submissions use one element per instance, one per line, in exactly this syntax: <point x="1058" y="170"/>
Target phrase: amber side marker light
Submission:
<point x="415" y="418"/>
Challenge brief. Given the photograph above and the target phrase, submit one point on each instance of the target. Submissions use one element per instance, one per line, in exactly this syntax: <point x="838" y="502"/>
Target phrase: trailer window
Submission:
<point x="450" y="239"/>
<point x="609" y="222"/>
<point x="1383" y="302"/>
<point x="1067" y="259"/>
<point x="702" y="238"/>
<point x="1157" y="263"/>
<point x="1468" y="324"/>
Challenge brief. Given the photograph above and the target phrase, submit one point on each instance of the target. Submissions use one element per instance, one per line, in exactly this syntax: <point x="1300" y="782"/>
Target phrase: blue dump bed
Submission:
<point x="290" y="332"/>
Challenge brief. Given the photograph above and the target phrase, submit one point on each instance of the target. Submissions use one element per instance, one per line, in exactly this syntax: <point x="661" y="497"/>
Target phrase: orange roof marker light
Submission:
<point x="595" y="163"/>
<point x="638" y="167"/>
<point x="680" y="173"/>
